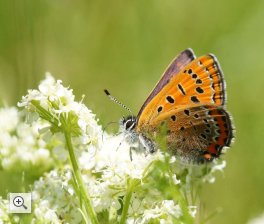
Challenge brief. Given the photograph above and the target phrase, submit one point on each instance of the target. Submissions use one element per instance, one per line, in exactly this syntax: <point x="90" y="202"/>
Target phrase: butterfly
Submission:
<point x="190" y="101"/>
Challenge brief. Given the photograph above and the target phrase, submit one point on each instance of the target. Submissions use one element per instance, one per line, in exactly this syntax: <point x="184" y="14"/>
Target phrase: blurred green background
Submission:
<point x="125" y="46"/>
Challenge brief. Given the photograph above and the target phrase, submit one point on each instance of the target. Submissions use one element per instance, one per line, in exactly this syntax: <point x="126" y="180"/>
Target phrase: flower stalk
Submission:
<point x="131" y="186"/>
<point x="76" y="171"/>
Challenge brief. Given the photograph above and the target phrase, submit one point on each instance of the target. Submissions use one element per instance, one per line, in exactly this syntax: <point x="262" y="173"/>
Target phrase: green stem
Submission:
<point x="187" y="218"/>
<point x="177" y="196"/>
<point x="128" y="196"/>
<point x="85" y="196"/>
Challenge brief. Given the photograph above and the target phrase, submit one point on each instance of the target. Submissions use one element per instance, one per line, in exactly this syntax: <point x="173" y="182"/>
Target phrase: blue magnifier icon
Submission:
<point x="18" y="201"/>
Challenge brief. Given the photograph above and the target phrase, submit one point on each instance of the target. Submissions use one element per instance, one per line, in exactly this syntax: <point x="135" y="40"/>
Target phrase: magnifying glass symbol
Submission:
<point x="18" y="201"/>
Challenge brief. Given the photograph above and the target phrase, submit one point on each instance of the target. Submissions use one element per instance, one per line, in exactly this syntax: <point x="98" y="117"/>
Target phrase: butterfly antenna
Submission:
<point x="116" y="101"/>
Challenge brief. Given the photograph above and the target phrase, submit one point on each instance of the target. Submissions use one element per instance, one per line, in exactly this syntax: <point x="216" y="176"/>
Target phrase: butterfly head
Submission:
<point x="128" y="127"/>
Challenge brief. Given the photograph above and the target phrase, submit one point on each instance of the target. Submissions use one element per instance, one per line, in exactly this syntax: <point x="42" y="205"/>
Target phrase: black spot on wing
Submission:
<point x="170" y="99"/>
<point x="187" y="112"/>
<point x="173" y="118"/>
<point x="199" y="90"/>
<point x="194" y="99"/>
<point x="203" y="136"/>
<point x="181" y="89"/>
<point x="199" y="81"/>
<point x="194" y="76"/>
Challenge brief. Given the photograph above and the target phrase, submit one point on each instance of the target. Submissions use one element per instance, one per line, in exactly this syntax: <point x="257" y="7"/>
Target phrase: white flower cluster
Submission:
<point x="165" y="211"/>
<point x="21" y="147"/>
<point x="57" y="100"/>
<point x="110" y="176"/>
<point x="106" y="172"/>
<point x="55" y="200"/>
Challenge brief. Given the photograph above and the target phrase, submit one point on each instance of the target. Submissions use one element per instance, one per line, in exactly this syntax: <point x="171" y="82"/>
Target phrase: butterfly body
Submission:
<point x="190" y="100"/>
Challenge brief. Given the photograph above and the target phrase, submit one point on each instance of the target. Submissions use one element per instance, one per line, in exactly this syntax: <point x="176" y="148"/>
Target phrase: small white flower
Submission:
<point x="192" y="210"/>
<point x="219" y="167"/>
<point x="171" y="208"/>
<point x="175" y="180"/>
<point x="216" y="166"/>
<point x="167" y="209"/>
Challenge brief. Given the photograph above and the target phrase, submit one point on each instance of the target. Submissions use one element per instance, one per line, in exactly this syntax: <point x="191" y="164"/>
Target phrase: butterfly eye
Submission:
<point x="130" y="124"/>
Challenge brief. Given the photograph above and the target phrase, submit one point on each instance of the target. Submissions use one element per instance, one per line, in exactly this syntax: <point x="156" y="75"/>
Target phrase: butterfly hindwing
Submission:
<point x="195" y="133"/>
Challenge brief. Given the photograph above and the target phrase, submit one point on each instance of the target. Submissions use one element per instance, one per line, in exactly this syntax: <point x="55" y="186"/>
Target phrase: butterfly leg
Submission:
<point x="119" y="145"/>
<point x="131" y="149"/>
<point x="147" y="144"/>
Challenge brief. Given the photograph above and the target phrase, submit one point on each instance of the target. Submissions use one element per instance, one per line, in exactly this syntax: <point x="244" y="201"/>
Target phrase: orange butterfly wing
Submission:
<point x="199" y="82"/>
<point x="191" y="104"/>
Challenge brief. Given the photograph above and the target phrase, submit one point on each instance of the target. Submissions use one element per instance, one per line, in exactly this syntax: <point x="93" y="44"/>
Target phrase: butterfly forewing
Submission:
<point x="183" y="59"/>
<point x="200" y="82"/>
